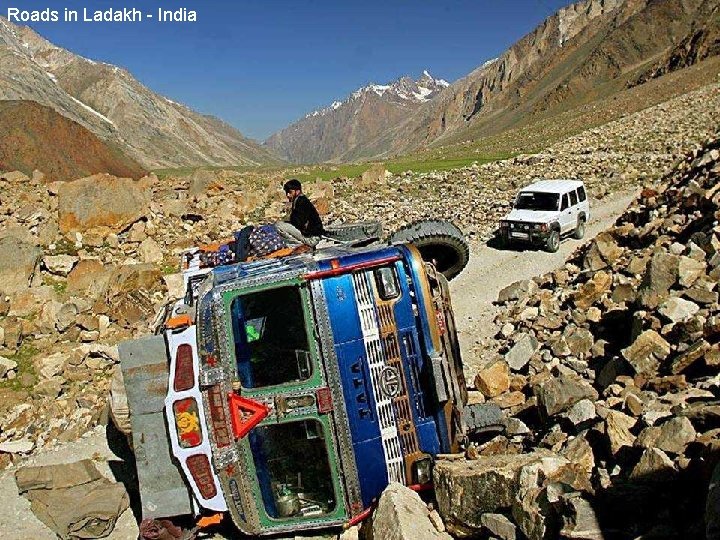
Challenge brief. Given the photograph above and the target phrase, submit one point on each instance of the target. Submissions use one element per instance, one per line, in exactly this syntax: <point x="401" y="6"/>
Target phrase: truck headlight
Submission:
<point x="422" y="471"/>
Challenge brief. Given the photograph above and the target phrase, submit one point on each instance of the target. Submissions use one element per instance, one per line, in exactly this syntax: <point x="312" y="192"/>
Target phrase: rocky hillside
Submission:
<point x="111" y="103"/>
<point x="36" y="137"/>
<point x="585" y="53"/>
<point x="333" y="133"/>
<point x="607" y="370"/>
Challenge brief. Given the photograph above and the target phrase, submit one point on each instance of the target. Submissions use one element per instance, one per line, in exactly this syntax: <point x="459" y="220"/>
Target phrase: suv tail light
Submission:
<point x="184" y="370"/>
<point x="199" y="467"/>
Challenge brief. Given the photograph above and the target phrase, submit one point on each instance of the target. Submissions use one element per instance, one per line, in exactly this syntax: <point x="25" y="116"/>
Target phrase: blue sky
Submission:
<point x="262" y="64"/>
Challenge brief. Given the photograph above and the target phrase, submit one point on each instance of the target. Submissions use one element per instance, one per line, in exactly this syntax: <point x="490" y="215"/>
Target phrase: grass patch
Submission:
<point x="24" y="357"/>
<point x="65" y="247"/>
<point x="58" y="285"/>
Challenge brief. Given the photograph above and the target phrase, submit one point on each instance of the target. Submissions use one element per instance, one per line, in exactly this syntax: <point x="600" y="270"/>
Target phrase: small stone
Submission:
<point x="499" y="526"/>
<point x="678" y="309"/>
<point x="691" y="355"/>
<point x="519" y="290"/>
<point x="60" y="265"/>
<point x="675" y="435"/>
<point x="23" y="446"/>
<point x="689" y="271"/>
<point x="6" y="366"/>
<point x="150" y="251"/>
<point x="617" y="428"/>
<point x="579" y="341"/>
<point x="580" y="413"/>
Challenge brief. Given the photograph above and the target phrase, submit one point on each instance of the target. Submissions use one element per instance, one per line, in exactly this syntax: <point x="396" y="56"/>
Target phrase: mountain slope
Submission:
<point x="335" y="131"/>
<point x="111" y="103"/>
<point x="37" y="137"/>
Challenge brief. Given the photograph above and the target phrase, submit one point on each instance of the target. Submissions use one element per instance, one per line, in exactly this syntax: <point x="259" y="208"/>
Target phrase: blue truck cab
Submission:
<point x="288" y="392"/>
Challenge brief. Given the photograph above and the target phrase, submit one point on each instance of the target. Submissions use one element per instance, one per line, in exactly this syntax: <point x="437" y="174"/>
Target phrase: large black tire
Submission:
<point x="552" y="244"/>
<point x="349" y="232"/>
<point x="439" y="242"/>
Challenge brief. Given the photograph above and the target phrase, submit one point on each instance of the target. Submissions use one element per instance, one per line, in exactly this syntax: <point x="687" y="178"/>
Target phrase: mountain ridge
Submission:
<point x="106" y="99"/>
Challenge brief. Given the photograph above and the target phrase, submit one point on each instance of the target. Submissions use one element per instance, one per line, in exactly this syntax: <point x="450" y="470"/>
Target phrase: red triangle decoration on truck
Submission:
<point x="245" y="414"/>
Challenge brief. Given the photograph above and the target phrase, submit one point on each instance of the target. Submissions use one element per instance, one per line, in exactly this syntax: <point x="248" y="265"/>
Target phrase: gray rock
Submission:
<point x="520" y="354"/>
<point x="18" y="263"/>
<point x="401" y="514"/>
<point x="579" y="519"/>
<point x="580" y="413"/>
<point x="499" y="526"/>
<point x="519" y="290"/>
<point x="23" y="446"/>
<point x="560" y="393"/>
<point x="660" y="275"/>
<point x="675" y="434"/>
<point x="678" y="309"/>
<point x="689" y="271"/>
<point x="6" y="365"/>
<point x="60" y="265"/>
<point x="530" y="510"/>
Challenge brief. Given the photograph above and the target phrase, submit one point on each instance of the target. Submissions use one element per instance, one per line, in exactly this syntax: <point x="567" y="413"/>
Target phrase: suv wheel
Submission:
<point x="552" y="244"/>
<point x="580" y="229"/>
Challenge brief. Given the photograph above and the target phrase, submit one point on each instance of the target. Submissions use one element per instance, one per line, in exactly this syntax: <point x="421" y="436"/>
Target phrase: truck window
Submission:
<point x="581" y="193"/>
<point x="564" y="202"/>
<point x="293" y="470"/>
<point x="271" y="344"/>
<point x="573" y="198"/>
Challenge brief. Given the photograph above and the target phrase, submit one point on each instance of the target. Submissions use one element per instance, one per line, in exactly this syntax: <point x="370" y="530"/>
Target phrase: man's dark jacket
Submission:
<point x="305" y="217"/>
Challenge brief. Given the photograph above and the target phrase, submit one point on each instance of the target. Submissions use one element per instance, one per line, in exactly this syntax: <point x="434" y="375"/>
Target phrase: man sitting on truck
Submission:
<point x="304" y="225"/>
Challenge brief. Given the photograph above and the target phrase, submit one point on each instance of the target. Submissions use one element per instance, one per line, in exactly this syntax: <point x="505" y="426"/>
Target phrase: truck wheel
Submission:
<point x="552" y="244"/>
<point x="439" y="242"/>
<point x="580" y="229"/>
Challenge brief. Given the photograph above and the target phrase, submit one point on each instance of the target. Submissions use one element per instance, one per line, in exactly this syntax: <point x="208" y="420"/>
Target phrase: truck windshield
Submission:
<point x="530" y="200"/>
<point x="271" y="344"/>
<point x="293" y="471"/>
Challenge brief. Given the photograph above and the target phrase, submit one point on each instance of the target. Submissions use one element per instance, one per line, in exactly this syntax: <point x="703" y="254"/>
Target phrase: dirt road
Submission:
<point x="491" y="269"/>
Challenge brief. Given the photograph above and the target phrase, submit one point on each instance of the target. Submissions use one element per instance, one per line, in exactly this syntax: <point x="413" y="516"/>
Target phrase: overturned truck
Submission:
<point x="289" y="391"/>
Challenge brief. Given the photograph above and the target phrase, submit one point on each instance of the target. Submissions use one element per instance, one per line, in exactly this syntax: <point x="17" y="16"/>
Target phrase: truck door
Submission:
<point x="292" y="455"/>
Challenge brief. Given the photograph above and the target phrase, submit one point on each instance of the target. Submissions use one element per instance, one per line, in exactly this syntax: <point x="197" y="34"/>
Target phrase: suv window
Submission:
<point x="581" y="193"/>
<point x="564" y="202"/>
<point x="573" y="198"/>
<point x="530" y="200"/>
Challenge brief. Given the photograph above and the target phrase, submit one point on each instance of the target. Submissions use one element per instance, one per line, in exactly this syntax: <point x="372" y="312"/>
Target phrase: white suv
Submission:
<point x="545" y="211"/>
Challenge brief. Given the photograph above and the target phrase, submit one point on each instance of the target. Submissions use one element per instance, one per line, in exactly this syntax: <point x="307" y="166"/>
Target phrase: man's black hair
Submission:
<point x="293" y="183"/>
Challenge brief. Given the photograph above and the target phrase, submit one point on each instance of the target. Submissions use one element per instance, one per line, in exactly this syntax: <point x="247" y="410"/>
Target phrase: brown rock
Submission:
<point x="617" y="430"/>
<point x="101" y="200"/>
<point x="560" y="393"/>
<point x="592" y="290"/>
<point x="660" y="275"/>
<point x="494" y="379"/>
<point x="646" y="352"/>
<point x="18" y="263"/>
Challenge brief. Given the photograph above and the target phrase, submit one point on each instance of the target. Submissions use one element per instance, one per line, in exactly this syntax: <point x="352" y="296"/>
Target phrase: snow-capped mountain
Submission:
<point x="359" y="118"/>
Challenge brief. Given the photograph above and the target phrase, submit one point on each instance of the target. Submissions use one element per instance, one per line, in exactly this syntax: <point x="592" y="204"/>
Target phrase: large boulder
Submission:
<point x="465" y="490"/>
<point x="102" y="201"/>
<point x="402" y="515"/>
<point x="131" y="293"/>
<point x="18" y="263"/>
